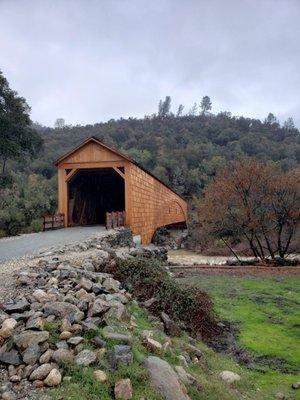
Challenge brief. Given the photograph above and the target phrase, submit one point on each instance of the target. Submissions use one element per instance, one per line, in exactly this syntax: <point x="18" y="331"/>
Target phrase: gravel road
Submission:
<point x="20" y="246"/>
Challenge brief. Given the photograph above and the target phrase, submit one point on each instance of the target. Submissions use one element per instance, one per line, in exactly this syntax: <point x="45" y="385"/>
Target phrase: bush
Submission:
<point x="36" y="225"/>
<point x="149" y="278"/>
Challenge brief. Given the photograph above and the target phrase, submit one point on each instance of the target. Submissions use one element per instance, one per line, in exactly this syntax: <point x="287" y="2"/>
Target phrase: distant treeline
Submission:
<point x="183" y="151"/>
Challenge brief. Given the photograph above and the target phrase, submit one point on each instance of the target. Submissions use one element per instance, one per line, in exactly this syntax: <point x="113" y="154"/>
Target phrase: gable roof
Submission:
<point x="109" y="148"/>
<point x="85" y="142"/>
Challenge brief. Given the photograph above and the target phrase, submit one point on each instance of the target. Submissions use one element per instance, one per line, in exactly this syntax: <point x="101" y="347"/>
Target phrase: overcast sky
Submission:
<point x="91" y="60"/>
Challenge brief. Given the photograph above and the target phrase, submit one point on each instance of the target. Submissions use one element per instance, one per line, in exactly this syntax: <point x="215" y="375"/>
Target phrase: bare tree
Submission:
<point x="59" y="123"/>
<point x="255" y="202"/>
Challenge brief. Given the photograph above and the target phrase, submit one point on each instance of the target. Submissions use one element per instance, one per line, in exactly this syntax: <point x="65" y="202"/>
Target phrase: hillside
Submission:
<point x="182" y="151"/>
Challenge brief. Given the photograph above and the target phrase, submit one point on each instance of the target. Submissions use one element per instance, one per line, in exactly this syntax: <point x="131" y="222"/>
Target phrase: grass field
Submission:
<point x="250" y="387"/>
<point x="266" y="311"/>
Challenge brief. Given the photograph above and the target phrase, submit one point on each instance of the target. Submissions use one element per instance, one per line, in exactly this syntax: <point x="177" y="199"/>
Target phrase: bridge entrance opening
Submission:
<point x="92" y="193"/>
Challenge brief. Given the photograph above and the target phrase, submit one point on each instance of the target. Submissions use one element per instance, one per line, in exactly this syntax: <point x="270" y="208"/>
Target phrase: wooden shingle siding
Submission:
<point x="153" y="204"/>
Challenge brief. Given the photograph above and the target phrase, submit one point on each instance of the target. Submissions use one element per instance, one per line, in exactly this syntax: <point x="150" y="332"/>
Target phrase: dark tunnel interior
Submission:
<point x="94" y="192"/>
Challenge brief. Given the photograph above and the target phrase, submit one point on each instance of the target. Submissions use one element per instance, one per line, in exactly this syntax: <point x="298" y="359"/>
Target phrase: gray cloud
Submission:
<point x="89" y="61"/>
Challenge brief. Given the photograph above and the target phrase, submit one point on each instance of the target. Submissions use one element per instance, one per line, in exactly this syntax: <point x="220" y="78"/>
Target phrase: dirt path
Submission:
<point x="19" y="246"/>
<point x="188" y="270"/>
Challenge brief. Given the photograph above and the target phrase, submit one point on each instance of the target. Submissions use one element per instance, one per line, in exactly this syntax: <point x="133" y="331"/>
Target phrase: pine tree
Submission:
<point x="205" y="105"/>
<point x="193" y="110"/>
<point x="180" y="110"/>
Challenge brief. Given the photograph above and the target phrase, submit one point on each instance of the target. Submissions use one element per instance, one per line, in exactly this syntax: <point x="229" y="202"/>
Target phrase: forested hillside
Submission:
<point x="183" y="151"/>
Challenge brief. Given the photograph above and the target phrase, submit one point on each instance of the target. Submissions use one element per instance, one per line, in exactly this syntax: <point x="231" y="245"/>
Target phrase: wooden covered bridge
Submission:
<point x="95" y="179"/>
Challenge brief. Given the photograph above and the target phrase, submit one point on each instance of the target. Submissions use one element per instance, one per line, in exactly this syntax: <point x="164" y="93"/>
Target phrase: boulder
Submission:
<point x="101" y="258"/>
<point x="193" y="350"/>
<point x="111" y="285"/>
<point x="32" y="354"/>
<point x="229" y="376"/>
<point x="280" y="396"/>
<point x="9" y="395"/>
<point x="65" y="325"/>
<point x="296" y="385"/>
<point x="182" y="360"/>
<point x="15" y="378"/>
<point x="40" y="295"/>
<point x="117" y="297"/>
<point x="87" y="265"/>
<point x="170" y="326"/>
<point x="184" y="376"/>
<point x="18" y="307"/>
<point x="75" y="340"/>
<point x="98" y="307"/>
<point x="98" y="342"/>
<point x="119" y="354"/>
<point x="54" y="378"/>
<point x="98" y="289"/>
<point x="85" y="284"/>
<point x="65" y="335"/>
<point x="86" y="358"/>
<point x="153" y="345"/>
<point x="62" y="344"/>
<point x="88" y="325"/>
<point x="117" y="311"/>
<point x="46" y="357"/>
<point x="164" y="379"/>
<point x="41" y="372"/>
<point x="145" y="334"/>
<point x="35" y="323"/>
<point x="27" y="338"/>
<point x="63" y="309"/>
<point x="100" y="376"/>
<point x="120" y="337"/>
<point x="62" y="356"/>
<point x="8" y="327"/>
<point x="10" y="357"/>
<point x="148" y="303"/>
<point x="3" y="316"/>
<point x="123" y="389"/>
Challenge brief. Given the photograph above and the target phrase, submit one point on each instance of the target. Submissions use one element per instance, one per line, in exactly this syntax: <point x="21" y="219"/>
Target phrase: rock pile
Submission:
<point x="119" y="237"/>
<point x="77" y="300"/>
<point x="63" y="313"/>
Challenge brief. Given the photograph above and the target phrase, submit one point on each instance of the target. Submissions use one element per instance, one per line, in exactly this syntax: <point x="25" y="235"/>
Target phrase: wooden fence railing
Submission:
<point x="115" y="219"/>
<point x="55" y="221"/>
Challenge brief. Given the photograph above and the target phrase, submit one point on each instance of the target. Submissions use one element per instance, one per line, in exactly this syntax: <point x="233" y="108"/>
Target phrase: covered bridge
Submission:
<point x="94" y="179"/>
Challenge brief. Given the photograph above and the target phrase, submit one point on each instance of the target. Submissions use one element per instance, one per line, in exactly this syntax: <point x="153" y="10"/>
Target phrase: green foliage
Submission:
<point x="22" y="204"/>
<point x="54" y="330"/>
<point x="184" y="151"/>
<point x="149" y="278"/>
<point x="17" y="137"/>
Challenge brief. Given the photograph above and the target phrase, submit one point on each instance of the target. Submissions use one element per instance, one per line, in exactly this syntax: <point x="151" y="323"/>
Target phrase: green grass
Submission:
<point x="54" y="331"/>
<point x="267" y="313"/>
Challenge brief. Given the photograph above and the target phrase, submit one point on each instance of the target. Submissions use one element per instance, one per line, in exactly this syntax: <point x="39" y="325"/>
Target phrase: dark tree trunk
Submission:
<point x="231" y="249"/>
<point x="269" y="245"/>
<point x="3" y="166"/>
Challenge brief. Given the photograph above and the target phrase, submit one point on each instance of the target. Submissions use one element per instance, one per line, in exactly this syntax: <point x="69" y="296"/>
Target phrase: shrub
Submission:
<point x="36" y="225"/>
<point x="148" y="277"/>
